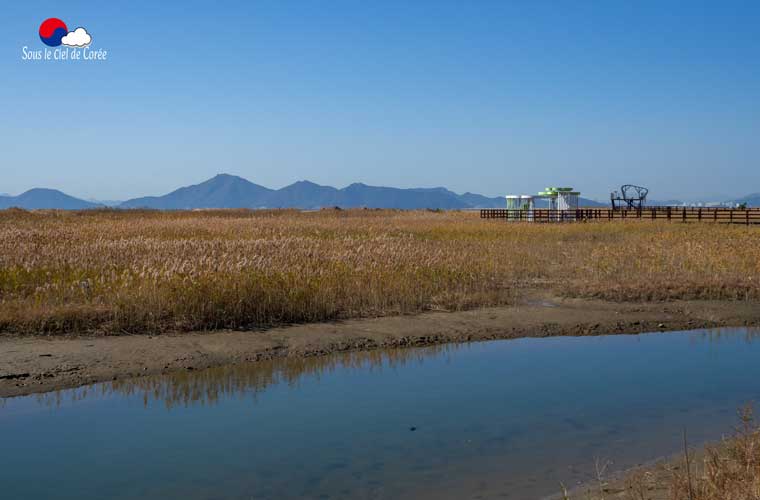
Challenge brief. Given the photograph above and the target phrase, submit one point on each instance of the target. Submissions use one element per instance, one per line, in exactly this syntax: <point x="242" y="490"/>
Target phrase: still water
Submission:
<point x="502" y="419"/>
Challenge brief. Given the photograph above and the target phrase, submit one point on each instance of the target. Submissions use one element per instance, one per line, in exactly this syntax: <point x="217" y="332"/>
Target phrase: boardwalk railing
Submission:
<point x="676" y="214"/>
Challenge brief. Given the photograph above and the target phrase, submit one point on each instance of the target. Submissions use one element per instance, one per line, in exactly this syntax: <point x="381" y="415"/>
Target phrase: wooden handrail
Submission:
<point x="684" y="214"/>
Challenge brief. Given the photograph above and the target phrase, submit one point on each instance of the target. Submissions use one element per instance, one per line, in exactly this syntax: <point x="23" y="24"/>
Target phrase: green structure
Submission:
<point x="563" y="198"/>
<point x="563" y="202"/>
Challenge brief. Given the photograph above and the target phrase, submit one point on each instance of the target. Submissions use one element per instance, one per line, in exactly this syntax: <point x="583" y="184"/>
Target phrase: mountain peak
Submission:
<point x="220" y="191"/>
<point x="227" y="179"/>
<point x="44" y="198"/>
<point x="227" y="176"/>
<point x="42" y="191"/>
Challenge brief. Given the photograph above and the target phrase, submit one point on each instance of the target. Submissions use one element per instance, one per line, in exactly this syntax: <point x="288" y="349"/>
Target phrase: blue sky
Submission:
<point x="484" y="96"/>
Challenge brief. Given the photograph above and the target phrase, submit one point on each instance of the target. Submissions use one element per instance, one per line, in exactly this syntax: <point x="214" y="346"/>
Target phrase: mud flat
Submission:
<point x="39" y="364"/>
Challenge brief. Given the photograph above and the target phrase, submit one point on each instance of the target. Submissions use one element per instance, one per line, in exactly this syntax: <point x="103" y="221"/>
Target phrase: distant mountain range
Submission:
<point x="229" y="191"/>
<point x="39" y="198"/>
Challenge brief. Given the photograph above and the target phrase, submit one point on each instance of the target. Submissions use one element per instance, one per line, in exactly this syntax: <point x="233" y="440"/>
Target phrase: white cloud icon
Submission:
<point x="77" y="38"/>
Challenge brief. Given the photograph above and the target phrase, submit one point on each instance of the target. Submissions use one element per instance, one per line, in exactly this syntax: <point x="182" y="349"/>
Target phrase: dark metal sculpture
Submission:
<point x="630" y="197"/>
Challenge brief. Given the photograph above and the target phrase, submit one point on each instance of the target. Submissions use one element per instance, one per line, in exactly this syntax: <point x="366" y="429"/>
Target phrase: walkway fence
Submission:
<point x="745" y="216"/>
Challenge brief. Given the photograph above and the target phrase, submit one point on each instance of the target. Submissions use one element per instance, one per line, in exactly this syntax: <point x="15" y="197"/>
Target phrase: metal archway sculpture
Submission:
<point x="630" y="197"/>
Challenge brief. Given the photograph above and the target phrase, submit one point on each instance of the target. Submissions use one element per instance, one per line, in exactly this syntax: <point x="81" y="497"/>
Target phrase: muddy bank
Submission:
<point x="648" y="481"/>
<point x="37" y="364"/>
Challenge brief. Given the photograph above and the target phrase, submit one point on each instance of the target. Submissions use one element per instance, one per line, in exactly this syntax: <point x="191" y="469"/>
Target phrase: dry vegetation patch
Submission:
<point x="137" y="271"/>
<point x="729" y="470"/>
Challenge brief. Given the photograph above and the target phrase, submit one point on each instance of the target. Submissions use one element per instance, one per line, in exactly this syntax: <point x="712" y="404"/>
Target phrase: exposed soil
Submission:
<point x="38" y="364"/>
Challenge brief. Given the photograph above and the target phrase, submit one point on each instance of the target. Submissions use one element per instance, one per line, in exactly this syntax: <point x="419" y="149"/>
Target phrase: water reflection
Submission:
<point x="508" y="419"/>
<point x="717" y="335"/>
<point x="212" y="385"/>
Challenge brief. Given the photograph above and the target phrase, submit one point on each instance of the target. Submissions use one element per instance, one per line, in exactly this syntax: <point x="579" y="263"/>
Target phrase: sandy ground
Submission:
<point x="38" y="364"/>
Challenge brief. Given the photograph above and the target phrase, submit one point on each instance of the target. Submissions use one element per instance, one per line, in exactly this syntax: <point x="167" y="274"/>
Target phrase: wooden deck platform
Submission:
<point x="746" y="216"/>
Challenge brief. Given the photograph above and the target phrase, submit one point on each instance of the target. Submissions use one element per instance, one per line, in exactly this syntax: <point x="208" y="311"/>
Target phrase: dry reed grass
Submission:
<point x="143" y="271"/>
<point x="729" y="470"/>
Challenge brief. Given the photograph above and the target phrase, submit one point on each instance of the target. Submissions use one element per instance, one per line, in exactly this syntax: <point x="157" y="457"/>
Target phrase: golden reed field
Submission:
<point x="142" y="271"/>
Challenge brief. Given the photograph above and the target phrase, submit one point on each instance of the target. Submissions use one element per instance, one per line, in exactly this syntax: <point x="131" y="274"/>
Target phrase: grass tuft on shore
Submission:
<point x="729" y="470"/>
<point x="110" y="271"/>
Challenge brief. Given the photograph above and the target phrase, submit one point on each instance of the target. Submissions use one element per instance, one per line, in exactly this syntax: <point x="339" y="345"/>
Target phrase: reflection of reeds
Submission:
<point x="206" y="387"/>
<point x="718" y="335"/>
<point x="137" y="271"/>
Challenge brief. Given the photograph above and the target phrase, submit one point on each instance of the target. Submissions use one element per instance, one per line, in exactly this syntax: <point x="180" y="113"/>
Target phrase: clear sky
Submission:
<point x="484" y="96"/>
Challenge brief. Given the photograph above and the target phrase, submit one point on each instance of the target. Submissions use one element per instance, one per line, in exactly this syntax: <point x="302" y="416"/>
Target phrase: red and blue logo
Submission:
<point x="53" y="32"/>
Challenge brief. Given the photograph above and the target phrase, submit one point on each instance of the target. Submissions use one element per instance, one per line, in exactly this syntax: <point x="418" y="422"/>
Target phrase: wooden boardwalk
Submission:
<point x="746" y="216"/>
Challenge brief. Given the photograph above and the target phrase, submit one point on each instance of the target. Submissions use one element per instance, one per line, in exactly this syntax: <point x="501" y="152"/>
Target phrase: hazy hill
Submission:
<point x="664" y="203"/>
<point x="752" y="200"/>
<point x="361" y="195"/>
<point x="39" y="198"/>
<point x="221" y="191"/>
<point x="480" y="201"/>
<point x="305" y="195"/>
